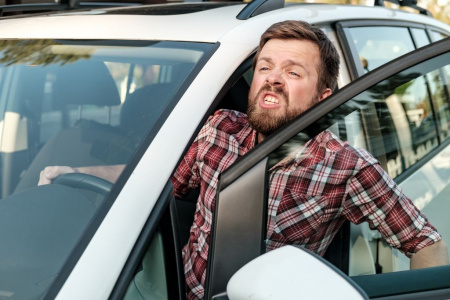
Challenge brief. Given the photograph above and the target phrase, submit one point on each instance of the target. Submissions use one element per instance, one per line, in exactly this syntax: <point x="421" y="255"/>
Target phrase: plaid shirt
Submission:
<point x="310" y="195"/>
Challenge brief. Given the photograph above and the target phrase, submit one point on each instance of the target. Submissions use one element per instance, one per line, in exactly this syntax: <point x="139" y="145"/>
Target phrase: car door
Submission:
<point x="377" y="112"/>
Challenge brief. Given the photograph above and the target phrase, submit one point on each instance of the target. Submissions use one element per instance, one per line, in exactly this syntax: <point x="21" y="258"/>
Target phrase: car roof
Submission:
<point x="185" y="21"/>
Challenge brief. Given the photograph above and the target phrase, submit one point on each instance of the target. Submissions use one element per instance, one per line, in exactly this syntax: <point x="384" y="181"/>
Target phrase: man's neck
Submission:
<point x="260" y="137"/>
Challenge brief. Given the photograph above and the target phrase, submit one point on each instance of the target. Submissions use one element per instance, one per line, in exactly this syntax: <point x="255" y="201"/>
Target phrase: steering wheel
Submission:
<point x="85" y="181"/>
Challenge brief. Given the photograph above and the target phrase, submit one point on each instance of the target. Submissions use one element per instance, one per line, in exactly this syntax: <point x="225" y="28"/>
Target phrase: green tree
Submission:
<point x="37" y="52"/>
<point x="440" y="9"/>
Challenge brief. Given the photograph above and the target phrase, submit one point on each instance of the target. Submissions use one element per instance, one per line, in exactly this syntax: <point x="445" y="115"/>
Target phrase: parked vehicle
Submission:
<point x="133" y="85"/>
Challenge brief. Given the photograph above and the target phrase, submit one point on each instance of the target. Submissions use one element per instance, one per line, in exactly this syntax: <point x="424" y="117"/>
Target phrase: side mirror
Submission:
<point x="291" y="273"/>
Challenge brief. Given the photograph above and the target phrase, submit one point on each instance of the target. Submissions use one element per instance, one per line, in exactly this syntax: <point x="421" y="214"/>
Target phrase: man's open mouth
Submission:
<point x="270" y="100"/>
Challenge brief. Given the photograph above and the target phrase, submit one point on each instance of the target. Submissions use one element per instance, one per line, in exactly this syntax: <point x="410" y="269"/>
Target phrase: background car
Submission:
<point x="133" y="85"/>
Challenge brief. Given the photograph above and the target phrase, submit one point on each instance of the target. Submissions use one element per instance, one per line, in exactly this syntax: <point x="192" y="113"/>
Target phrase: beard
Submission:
<point x="266" y="121"/>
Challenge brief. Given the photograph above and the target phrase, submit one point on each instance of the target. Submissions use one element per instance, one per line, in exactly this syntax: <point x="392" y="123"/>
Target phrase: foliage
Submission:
<point x="440" y="9"/>
<point x="35" y="52"/>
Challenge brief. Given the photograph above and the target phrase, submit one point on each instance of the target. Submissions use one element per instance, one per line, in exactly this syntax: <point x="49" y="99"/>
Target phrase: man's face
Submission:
<point x="284" y="83"/>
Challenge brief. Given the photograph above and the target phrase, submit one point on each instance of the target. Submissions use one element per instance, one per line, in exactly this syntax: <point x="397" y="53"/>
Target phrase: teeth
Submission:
<point x="270" y="100"/>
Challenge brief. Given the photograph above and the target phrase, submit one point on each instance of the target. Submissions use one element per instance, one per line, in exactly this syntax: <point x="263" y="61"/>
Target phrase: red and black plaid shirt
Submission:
<point x="310" y="195"/>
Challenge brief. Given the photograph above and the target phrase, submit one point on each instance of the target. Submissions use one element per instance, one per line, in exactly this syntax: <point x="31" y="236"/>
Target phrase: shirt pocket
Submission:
<point x="298" y="216"/>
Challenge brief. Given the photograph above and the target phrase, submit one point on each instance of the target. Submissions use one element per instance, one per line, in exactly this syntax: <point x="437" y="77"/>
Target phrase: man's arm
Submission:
<point x="396" y="217"/>
<point x="110" y="173"/>
<point x="430" y="256"/>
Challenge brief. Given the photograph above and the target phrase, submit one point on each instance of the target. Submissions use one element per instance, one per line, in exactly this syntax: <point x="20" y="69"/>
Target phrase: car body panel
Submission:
<point x="94" y="25"/>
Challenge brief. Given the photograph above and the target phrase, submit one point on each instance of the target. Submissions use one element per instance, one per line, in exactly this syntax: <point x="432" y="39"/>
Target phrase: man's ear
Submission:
<point x="325" y="93"/>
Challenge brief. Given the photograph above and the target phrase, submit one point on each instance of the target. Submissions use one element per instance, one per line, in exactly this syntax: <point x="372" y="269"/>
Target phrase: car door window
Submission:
<point x="437" y="35"/>
<point x="438" y="82"/>
<point x="395" y="121"/>
<point x="420" y="37"/>
<point x="376" y="45"/>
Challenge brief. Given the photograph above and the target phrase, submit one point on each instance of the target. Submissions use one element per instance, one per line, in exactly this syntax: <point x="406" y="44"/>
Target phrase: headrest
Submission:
<point x="85" y="82"/>
<point x="237" y="97"/>
<point x="142" y="108"/>
<point x="144" y="105"/>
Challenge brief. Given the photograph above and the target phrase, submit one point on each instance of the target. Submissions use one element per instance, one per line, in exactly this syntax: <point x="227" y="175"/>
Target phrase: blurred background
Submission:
<point x="440" y="9"/>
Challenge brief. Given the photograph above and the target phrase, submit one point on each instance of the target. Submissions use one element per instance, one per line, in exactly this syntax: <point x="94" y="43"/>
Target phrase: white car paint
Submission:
<point x="81" y="25"/>
<point x="275" y="276"/>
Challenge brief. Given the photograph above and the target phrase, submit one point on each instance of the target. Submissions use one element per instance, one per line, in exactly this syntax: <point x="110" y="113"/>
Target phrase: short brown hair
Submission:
<point x="289" y="30"/>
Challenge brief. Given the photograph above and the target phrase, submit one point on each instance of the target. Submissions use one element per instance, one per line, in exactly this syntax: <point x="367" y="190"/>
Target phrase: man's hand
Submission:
<point x="50" y="173"/>
<point x="110" y="173"/>
<point x="431" y="256"/>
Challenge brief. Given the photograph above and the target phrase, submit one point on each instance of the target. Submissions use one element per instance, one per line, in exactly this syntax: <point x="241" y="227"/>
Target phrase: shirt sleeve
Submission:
<point x="374" y="197"/>
<point x="186" y="176"/>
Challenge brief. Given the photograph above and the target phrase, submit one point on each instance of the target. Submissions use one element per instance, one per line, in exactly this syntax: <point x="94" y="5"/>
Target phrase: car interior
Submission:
<point x="87" y="141"/>
<point x="75" y="115"/>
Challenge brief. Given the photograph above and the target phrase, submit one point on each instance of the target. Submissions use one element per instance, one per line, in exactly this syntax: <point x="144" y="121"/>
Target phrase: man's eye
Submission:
<point x="294" y="74"/>
<point x="263" y="68"/>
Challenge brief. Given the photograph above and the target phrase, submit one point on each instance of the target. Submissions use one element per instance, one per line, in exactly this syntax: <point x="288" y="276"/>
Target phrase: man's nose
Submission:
<point x="275" y="78"/>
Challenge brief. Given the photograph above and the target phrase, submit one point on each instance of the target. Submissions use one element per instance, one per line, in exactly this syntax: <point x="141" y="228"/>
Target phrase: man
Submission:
<point x="295" y="67"/>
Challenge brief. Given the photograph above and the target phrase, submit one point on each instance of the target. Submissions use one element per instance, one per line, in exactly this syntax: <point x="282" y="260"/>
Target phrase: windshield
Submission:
<point x="72" y="103"/>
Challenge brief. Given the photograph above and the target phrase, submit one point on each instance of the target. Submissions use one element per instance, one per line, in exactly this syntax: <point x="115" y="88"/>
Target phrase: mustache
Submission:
<point x="276" y="90"/>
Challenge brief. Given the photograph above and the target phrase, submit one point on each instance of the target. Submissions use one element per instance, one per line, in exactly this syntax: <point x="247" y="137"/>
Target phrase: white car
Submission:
<point x="133" y="85"/>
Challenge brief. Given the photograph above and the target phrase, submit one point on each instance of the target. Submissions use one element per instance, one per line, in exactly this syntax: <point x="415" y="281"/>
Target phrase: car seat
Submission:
<point x="237" y="97"/>
<point x="88" y="142"/>
<point x="143" y="107"/>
